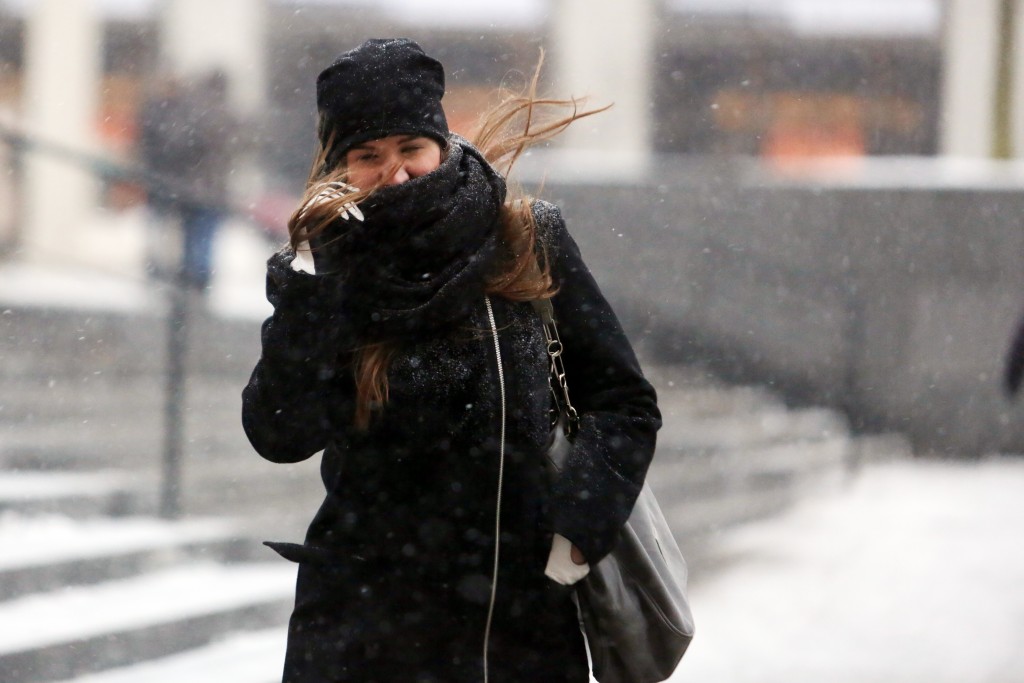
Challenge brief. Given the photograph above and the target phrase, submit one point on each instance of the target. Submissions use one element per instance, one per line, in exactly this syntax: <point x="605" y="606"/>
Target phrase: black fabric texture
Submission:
<point x="383" y="87"/>
<point x="394" y="571"/>
<point x="419" y="259"/>
<point x="302" y="370"/>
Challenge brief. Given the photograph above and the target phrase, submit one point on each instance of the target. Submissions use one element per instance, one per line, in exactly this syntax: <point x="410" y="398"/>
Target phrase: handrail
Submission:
<point x="158" y="185"/>
<point x="174" y="191"/>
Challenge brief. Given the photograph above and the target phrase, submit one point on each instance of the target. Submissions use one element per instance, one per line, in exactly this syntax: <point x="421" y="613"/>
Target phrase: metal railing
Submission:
<point x="172" y="192"/>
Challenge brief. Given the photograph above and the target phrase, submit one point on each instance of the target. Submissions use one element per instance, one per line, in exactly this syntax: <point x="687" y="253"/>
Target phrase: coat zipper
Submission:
<point x="501" y="481"/>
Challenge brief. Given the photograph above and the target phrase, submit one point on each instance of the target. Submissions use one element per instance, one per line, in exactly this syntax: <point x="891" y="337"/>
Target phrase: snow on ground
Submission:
<point x="914" y="574"/>
<point x="910" y="575"/>
<point x="38" y="540"/>
<point x="255" y="657"/>
<point x="27" y="486"/>
<point x="165" y="596"/>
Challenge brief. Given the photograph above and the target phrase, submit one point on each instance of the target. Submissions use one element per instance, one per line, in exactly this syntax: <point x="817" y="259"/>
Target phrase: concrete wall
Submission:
<point x="895" y="305"/>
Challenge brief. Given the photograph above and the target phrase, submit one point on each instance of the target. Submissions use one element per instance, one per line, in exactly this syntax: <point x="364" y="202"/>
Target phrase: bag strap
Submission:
<point x="556" y="380"/>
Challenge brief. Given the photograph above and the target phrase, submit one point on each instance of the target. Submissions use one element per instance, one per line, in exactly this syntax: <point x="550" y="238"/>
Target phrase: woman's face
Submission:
<point x="391" y="160"/>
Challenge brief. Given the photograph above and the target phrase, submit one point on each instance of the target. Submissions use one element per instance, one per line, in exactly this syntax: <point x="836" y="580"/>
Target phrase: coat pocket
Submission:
<point x="311" y="554"/>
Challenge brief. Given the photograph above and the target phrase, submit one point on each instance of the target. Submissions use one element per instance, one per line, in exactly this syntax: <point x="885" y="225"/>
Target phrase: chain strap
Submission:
<point x="557" y="378"/>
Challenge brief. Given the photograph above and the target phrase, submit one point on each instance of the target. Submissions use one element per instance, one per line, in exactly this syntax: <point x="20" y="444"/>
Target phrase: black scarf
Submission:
<point x="419" y="260"/>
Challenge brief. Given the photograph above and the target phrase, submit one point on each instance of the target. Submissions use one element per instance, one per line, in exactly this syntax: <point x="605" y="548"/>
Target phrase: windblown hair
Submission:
<point x="520" y="120"/>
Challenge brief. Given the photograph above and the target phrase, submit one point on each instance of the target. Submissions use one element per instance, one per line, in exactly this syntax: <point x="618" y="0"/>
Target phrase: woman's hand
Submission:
<point x="566" y="563"/>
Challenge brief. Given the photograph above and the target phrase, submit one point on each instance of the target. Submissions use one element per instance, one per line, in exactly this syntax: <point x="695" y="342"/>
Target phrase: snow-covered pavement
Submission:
<point x="913" y="574"/>
<point x="255" y="657"/>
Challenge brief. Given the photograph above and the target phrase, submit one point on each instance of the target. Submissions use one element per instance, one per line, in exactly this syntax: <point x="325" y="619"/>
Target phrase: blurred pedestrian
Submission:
<point x="162" y="137"/>
<point x="186" y="138"/>
<point x="404" y="345"/>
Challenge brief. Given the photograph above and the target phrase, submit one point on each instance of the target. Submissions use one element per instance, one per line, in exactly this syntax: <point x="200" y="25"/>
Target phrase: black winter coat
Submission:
<point x="394" y="578"/>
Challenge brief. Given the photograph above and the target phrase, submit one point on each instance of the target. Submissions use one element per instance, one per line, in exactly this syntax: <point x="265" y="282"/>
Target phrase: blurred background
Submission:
<point x="806" y="213"/>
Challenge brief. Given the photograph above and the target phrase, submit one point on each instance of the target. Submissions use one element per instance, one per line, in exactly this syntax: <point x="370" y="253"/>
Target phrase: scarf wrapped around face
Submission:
<point x="419" y="259"/>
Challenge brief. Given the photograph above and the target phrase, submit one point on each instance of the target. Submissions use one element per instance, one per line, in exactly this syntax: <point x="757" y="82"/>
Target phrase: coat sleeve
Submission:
<point x="619" y="417"/>
<point x="299" y="388"/>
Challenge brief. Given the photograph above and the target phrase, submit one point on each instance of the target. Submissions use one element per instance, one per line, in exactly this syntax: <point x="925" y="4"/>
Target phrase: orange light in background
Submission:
<point x="796" y="127"/>
<point x="117" y="129"/>
<point x="811" y="126"/>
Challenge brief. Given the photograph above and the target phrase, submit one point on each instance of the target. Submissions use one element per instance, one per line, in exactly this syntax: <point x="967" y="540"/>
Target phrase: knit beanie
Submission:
<point x="383" y="87"/>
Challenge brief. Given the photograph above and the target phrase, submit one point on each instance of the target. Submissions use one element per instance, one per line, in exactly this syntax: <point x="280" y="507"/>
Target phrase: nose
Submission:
<point x="399" y="176"/>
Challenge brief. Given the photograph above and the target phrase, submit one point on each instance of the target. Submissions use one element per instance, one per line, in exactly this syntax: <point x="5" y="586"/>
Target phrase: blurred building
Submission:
<point x="891" y="295"/>
<point x="729" y="77"/>
<point x="784" y="80"/>
<point x="777" y="84"/>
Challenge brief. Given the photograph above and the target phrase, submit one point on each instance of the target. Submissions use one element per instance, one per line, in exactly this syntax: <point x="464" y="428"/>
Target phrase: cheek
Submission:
<point x="426" y="164"/>
<point x="361" y="177"/>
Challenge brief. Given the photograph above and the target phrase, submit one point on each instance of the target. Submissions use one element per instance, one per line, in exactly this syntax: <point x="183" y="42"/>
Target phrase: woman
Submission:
<point x="380" y="352"/>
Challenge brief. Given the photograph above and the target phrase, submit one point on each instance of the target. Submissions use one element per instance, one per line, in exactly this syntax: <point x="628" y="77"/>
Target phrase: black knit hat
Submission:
<point x="383" y="87"/>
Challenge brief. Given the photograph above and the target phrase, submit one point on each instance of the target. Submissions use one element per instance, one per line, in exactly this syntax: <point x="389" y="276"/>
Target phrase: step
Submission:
<point x="225" y="478"/>
<point x="255" y="657"/>
<point x="746" y="430"/>
<point x="77" y="443"/>
<point x="696" y="519"/>
<point x="60" y="342"/>
<point x="113" y="422"/>
<point x="76" y="494"/>
<point x="708" y="490"/>
<point x="232" y="482"/>
<point x="709" y="473"/>
<point x="43" y="398"/>
<point x="713" y="400"/>
<point x="71" y="632"/>
<point x="758" y="496"/>
<point x="47" y="552"/>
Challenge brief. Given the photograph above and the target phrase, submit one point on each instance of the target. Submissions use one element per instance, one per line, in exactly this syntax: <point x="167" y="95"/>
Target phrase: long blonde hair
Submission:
<point x="520" y="120"/>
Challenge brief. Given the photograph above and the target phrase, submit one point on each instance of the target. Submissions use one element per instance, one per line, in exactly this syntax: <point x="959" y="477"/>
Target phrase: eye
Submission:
<point x="365" y="156"/>
<point x="411" y="149"/>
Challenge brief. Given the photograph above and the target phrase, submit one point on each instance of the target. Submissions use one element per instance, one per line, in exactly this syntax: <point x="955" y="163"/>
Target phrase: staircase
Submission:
<point x="95" y="589"/>
<point x="83" y="590"/>
<point x="93" y="586"/>
<point x="730" y="454"/>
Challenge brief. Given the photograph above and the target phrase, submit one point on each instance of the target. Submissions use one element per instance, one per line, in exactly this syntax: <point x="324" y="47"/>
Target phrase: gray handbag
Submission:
<point x="632" y="603"/>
